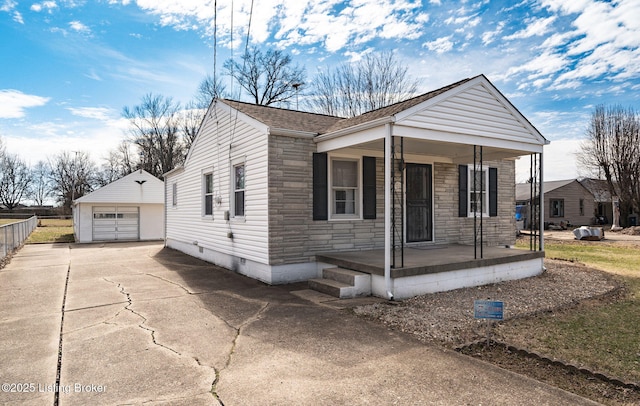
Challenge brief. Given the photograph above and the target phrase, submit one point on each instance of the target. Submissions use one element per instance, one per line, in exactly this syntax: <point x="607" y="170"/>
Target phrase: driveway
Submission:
<point x="145" y="324"/>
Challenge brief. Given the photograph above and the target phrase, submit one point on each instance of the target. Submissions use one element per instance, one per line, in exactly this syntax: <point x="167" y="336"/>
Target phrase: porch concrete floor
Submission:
<point x="427" y="259"/>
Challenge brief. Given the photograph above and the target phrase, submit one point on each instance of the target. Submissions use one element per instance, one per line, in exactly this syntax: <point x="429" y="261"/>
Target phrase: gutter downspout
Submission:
<point x="387" y="210"/>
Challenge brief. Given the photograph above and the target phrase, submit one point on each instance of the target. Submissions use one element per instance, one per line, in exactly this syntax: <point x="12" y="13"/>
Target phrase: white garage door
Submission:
<point x="116" y="223"/>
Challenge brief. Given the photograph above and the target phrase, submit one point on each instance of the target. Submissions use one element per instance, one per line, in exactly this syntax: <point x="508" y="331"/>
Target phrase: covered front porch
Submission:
<point x="449" y="190"/>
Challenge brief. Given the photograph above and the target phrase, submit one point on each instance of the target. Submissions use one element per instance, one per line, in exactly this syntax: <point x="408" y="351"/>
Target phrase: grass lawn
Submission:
<point x="604" y="335"/>
<point x="8" y="221"/>
<point x="52" y="230"/>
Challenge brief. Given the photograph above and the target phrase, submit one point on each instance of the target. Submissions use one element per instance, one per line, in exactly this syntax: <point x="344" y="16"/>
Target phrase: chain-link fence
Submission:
<point x="14" y="234"/>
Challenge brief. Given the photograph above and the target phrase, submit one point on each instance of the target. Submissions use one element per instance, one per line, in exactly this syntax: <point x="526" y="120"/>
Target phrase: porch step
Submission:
<point x="342" y="283"/>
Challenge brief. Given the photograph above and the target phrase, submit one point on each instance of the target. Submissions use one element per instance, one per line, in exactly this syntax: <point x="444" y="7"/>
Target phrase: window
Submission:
<point x="344" y="188"/>
<point x="174" y="195"/>
<point x="208" y="194"/>
<point x="557" y="207"/>
<point x="238" y="190"/>
<point x="478" y="201"/>
<point x="582" y="207"/>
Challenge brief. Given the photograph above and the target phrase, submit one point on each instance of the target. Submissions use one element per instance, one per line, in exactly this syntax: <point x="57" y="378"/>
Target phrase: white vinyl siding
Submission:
<point x="217" y="140"/>
<point x="475" y="111"/>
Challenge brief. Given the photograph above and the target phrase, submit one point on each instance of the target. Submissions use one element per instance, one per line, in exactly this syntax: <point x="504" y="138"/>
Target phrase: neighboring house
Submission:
<point x="283" y="195"/>
<point x="567" y="203"/>
<point x="128" y="209"/>
<point x="603" y="207"/>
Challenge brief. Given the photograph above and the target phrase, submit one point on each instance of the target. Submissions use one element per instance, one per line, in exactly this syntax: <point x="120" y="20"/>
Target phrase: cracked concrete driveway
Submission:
<point x="145" y="324"/>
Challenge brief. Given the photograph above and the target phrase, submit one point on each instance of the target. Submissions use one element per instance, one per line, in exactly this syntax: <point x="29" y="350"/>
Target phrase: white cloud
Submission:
<point x="335" y="24"/>
<point x="96" y="113"/>
<point x="17" y="17"/>
<point x="13" y="103"/>
<point x="45" y="5"/>
<point x="440" y="45"/>
<point x="559" y="161"/>
<point x="44" y="140"/>
<point x="8" y="6"/>
<point x="79" y="27"/>
<point x="489" y="36"/>
<point x="592" y="40"/>
<point x="535" y="27"/>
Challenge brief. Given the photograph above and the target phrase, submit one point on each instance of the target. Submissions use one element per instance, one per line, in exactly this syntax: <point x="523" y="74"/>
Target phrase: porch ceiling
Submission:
<point x="443" y="151"/>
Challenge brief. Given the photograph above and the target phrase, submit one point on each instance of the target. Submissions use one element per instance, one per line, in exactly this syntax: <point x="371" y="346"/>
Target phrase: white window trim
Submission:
<point x="358" y="194"/>
<point x="203" y="192"/>
<point x="232" y="189"/>
<point x="485" y="203"/>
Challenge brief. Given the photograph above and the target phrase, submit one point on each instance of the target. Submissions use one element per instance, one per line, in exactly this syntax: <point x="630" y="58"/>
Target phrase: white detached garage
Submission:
<point x="129" y="209"/>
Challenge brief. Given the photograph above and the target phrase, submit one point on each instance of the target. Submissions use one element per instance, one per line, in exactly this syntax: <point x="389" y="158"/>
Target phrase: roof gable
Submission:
<point x="390" y="110"/>
<point x="137" y="187"/>
<point x="474" y="107"/>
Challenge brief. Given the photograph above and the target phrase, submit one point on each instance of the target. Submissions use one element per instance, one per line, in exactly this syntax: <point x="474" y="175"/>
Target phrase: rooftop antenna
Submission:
<point x="296" y="86"/>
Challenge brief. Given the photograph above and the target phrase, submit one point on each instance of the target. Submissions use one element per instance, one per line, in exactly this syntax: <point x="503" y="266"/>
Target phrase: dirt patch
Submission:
<point x="571" y="379"/>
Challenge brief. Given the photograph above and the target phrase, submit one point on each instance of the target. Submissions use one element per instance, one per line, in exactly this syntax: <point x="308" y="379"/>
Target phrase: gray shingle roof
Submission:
<point x="285" y="119"/>
<point x="320" y="124"/>
<point x="598" y="188"/>
<point x="523" y="190"/>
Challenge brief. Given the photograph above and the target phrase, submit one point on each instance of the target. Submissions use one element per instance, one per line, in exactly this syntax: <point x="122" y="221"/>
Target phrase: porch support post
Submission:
<point x="387" y="209"/>
<point x="541" y="194"/>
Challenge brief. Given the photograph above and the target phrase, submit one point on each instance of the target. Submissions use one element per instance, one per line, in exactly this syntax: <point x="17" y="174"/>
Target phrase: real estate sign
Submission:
<point x="486" y="309"/>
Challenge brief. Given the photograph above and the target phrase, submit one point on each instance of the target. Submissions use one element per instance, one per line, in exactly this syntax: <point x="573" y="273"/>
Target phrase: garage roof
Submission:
<point x="137" y="187"/>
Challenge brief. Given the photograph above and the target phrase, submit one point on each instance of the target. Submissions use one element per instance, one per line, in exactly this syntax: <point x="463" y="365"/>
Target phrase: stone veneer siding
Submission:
<point x="294" y="237"/>
<point x="449" y="228"/>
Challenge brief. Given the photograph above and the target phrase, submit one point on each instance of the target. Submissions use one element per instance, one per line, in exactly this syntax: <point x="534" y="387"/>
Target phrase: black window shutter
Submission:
<point x="369" y="187"/>
<point x="462" y="191"/>
<point x="320" y="187"/>
<point x="493" y="192"/>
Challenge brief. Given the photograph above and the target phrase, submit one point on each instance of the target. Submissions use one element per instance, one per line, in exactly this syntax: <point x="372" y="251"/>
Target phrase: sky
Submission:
<point x="69" y="67"/>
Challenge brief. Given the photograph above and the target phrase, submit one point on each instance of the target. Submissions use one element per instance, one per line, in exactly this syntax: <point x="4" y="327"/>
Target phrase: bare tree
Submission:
<point x="155" y="129"/>
<point x="376" y="81"/>
<point x="15" y="179"/>
<point x="72" y="176"/>
<point x="210" y="88"/>
<point x="191" y="119"/>
<point x="612" y="150"/>
<point x="40" y="188"/>
<point x="117" y="164"/>
<point x="267" y="77"/>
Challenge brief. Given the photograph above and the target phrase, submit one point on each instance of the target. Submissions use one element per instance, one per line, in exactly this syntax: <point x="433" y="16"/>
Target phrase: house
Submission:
<point x="128" y="209"/>
<point x="603" y="207"/>
<point x="567" y="203"/>
<point x="412" y="198"/>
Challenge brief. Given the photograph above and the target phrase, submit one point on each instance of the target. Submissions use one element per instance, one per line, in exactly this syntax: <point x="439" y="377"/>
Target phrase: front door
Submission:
<point x="419" y="203"/>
